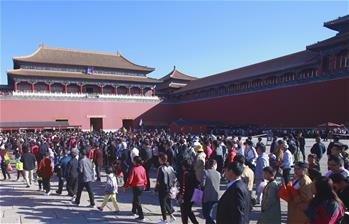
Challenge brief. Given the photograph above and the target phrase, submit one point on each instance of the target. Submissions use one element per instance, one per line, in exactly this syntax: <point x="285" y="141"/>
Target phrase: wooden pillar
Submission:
<point x="142" y="91"/>
<point x="129" y="90"/>
<point x="15" y="87"/>
<point x="49" y="87"/>
<point x="65" y="88"/>
<point x="33" y="87"/>
<point x="101" y="87"/>
<point x="81" y="88"/>
<point x="115" y="90"/>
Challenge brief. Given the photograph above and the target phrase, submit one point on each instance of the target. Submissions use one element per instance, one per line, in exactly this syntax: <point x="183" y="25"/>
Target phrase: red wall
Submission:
<point x="301" y="106"/>
<point x="307" y="105"/>
<point x="24" y="110"/>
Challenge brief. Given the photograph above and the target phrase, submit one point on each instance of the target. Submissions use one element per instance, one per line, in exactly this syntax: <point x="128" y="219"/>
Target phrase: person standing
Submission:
<point x="341" y="186"/>
<point x="28" y="160"/>
<point x="166" y="179"/>
<point x="45" y="171"/>
<point x="270" y="207"/>
<point x="85" y="178"/>
<point x="318" y="148"/>
<point x="261" y="162"/>
<point x="301" y="183"/>
<point x="137" y="179"/>
<point x="301" y="142"/>
<point x="72" y="174"/>
<point x="98" y="161"/>
<point x="210" y="184"/>
<point x="5" y="162"/>
<point x="234" y="205"/>
<point x="62" y="170"/>
<point x="325" y="207"/>
<point x="287" y="162"/>
<point x="199" y="164"/>
<point x="189" y="183"/>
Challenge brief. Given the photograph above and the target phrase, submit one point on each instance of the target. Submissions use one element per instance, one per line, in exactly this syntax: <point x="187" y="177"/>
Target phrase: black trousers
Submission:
<point x="20" y="172"/>
<point x="60" y="184"/>
<point x="136" y="203"/>
<point x="165" y="203"/>
<point x="186" y="211"/>
<point x="147" y="166"/>
<point x="302" y="149"/>
<point x="46" y="183"/>
<point x="4" y="171"/>
<point x="98" y="172"/>
<point x="81" y="186"/>
<point x="286" y="175"/>
<point x="72" y="186"/>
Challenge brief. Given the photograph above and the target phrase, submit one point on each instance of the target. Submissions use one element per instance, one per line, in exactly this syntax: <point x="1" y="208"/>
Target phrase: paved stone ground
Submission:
<point x="27" y="205"/>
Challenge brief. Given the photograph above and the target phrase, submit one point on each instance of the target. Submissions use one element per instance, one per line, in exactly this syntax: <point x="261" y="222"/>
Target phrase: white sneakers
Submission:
<point x="48" y="193"/>
<point x="172" y="218"/>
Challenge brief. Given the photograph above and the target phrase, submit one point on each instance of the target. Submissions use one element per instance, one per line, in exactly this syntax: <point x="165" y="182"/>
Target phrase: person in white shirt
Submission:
<point x="287" y="162"/>
<point x="134" y="152"/>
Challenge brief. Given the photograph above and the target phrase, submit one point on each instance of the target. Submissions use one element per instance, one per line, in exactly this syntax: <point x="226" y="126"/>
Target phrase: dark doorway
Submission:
<point x="96" y="124"/>
<point x="127" y="123"/>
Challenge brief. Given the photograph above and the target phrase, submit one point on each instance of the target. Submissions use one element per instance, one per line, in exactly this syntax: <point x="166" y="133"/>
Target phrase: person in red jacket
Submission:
<point x="137" y="179"/>
<point x="45" y="171"/>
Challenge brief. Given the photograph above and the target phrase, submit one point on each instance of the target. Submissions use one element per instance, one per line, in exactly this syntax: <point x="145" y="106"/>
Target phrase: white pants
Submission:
<point x="28" y="175"/>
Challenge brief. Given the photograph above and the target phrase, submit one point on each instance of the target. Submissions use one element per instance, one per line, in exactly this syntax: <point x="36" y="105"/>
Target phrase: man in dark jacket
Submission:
<point x="98" y="161"/>
<point x="146" y="154"/>
<point x="28" y="160"/>
<point x="234" y="205"/>
<point x="72" y="174"/>
<point x="318" y="148"/>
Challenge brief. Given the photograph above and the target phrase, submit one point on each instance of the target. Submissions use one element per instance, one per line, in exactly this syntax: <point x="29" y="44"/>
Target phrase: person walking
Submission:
<point x="261" y="162"/>
<point x="270" y="206"/>
<point x="189" y="183"/>
<point x="210" y="184"/>
<point x="325" y="207"/>
<point x="98" y="161"/>
<point x="72" y="174"/>
<point x="62" y="170"/>
<point x="85" y="178"/>
<point x="45" y="171"/>
<point x="166" y="179"/>
<point x="28" y="160"/>
<point x="137" y="179"/>
<point x="301" y="183"/>
<point x="234" y="205"/>
<point x="111" y="190"/>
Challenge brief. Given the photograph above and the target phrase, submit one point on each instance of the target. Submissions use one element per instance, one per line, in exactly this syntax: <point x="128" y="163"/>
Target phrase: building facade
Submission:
<point x="106" y="91"/>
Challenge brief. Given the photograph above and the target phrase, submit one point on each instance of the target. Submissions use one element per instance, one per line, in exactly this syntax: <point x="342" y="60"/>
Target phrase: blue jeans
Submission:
<point x="206" y="210"/>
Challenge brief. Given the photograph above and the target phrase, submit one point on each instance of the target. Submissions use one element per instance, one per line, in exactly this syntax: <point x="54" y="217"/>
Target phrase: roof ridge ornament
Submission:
<point x="42" y="44"/>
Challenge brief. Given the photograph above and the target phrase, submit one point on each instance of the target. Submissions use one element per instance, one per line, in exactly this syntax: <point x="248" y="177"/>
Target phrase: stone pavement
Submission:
<point x="27" y="205"/>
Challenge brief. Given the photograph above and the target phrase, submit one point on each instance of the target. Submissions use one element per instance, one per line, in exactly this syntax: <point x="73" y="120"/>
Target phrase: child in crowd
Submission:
<point x="111" y="190"/>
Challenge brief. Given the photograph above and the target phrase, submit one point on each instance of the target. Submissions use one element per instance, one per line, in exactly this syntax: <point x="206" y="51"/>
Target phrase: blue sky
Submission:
<point x="200" y="38"/>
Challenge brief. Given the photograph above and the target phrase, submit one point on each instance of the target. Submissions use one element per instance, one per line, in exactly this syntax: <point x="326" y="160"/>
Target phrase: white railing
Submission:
<point x="84" y="95"/>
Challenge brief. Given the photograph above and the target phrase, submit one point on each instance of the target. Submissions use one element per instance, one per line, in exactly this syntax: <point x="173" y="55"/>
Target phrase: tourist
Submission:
<point x="250" y="154"/>
<point x="314" y="168"/>
<point x="189" y="183"/>
<point x="166" y="179"/>
<point x="335" y="165"/>
<point x="146" y="154"/>
<point x="137" y="179"/>
<point x="85" y="178"/>
<point x="301" y="184"/>
<point x="62" y="170"/>
<point x="234" y="205"/>
<point x="337" y="150"/>
<point x="247" y="175"/>
<point x="261" y="162"/>
<point x="287" y="161"/>
<point x="318" y="148"/>
<point x="110" y="191"/>
<point x="270" y="206"/>
<point x="5" y="162"/>
<point x="325" y="207"/>
<point x="301" y="142"/>
<point x="341" y="186"/>
<point x="231" y="152"/>
<point x="210" y="184"/>
<point x="28" y="160"/>
<point x="45" y="171"/>
<point x="72" y="174"/>
<point x="19" y="165"/>
<point x="217" y="155"/>
<point x="273" y="145"/>
<point x="199" y="162"/>
<point x="98" y="161"/>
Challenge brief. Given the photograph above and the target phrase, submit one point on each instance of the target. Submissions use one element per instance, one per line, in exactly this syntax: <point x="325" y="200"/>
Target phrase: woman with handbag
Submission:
<point x="189" y="184"/>
<point x="166" y="179"/>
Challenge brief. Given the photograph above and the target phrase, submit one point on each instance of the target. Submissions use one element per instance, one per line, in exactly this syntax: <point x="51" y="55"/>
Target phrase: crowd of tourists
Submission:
<point x="190" y="169"/>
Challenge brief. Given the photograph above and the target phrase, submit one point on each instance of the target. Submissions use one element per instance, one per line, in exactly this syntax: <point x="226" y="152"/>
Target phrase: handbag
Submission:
<point x="197" y="196"/>
<point x="9" y="167"/>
